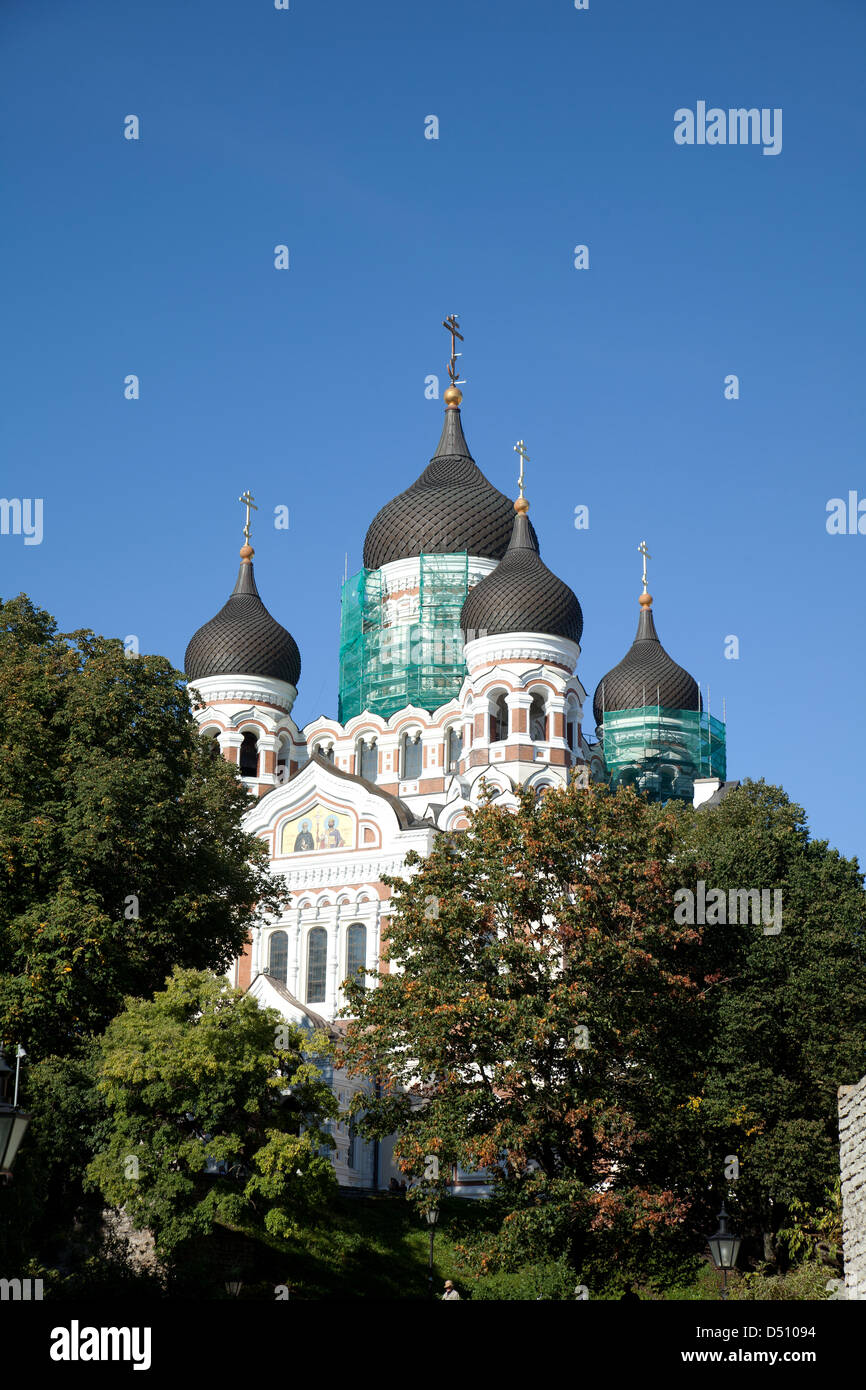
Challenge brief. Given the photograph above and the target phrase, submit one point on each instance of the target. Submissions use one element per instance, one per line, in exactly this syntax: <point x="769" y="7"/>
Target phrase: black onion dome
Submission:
<point x="646" y="676"/>
<point x="450" y="508"/>
<point x="522" y="594"/>
<point x="243" y="639"/>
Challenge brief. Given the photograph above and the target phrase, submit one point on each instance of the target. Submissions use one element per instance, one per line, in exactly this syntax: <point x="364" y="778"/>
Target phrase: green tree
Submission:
<point x="789" y="1013"/>
<point x="122" y="851"/>
<point x="540" y="1021"/>
<point x="200" y="1077"/>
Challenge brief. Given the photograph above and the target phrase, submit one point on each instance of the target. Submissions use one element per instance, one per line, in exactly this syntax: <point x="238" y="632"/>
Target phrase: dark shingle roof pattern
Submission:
<point x="646" y="676"/>
<point x="522" y="594"/>
<point x="450" y="508"/>
<point x="243" y="639"/>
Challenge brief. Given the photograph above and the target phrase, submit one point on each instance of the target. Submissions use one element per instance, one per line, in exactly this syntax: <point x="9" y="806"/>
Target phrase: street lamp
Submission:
<point x="432" y="1214"/>
<point x="724" y="1248"/>
<point x="13" y="1122"/>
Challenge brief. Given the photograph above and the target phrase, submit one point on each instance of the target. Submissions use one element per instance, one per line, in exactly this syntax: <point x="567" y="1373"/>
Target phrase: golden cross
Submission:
<point x="520" y="448"/>
<point x="454" y="329"/>
<point x="247" y="499"/>
<point x="646" y="556"/>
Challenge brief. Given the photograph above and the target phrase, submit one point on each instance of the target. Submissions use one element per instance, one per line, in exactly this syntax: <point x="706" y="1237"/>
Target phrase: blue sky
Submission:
<point x="262" y="127"/>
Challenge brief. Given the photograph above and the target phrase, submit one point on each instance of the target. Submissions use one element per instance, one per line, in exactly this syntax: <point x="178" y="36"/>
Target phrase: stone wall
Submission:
<point x="852" y="1157"/>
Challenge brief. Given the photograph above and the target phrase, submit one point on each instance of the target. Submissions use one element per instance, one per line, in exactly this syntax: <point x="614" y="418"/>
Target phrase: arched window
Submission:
<point x="356" y="951"/>
<point x="283" y="759"/>
<point x="499" y="720"/>
<point x="213" y="742"/>
<point x="317" y="960"/>
<point x="249" y="758"/>
<point x="369" y="760"/>
<point x="537" y="720"/>
<point x="278" y="956"/>
<point x="571" y="736"/>
<point x="411" y="756"/>
<point x="454" y="751"/>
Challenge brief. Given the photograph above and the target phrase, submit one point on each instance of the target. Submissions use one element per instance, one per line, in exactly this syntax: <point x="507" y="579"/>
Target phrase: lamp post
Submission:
<point x="432" y="1215"/>
<point x="13" y="1122"/>
<point x="724" y="1248"/>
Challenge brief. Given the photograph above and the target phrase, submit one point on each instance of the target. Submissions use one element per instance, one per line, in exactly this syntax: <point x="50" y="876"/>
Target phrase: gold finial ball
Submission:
<point x="521" y="506"/>
<point x="452" y="395"/>
<point x="646" y="600"/>
<point x="247" y="552"/>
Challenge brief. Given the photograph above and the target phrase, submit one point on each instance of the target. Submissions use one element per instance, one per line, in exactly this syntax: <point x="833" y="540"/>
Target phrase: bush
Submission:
<point x="546" y="1281"/>
<point x="804" y="1283"/>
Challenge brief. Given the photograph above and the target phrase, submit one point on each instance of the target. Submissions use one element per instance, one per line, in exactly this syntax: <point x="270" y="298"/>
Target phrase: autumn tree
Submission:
<point x="537" y="1018"/>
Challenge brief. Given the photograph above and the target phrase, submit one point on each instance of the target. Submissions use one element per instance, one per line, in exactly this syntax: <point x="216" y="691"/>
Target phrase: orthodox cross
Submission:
<point x="454" y="329"/>
<point x="247" y="499"/>
<point x="520" y="448"/>
<point x="646" y="556"/>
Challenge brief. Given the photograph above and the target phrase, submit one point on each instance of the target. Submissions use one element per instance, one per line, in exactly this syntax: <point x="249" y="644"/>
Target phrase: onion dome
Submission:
<point x="450" y="508"/>
<point x="646" y="675"/>
<point x="522" y="594"/>
<point x="243" y="639"/>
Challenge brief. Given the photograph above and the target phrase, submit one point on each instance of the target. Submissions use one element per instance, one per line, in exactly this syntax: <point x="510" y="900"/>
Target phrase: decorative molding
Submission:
<point x="248" y="690"/>
<point x="521" y="646"/>
<point x="398" y="576"/>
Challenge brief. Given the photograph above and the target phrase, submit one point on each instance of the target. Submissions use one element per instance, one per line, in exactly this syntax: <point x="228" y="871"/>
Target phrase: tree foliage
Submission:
<point x="788" y="1025"/>
<point x="543" y="1015"/>
<point x="199" y="1078"/>
<point x="121" y="846"/>
<point x="535" y="1022"/>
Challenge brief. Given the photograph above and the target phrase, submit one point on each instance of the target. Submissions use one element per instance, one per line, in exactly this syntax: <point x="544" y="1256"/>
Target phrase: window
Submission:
<point x="454" y="748"/>
<point x="212" y="738"/>
<point x="278" y="956"/>
<point x="411" y="756"/>
<point x="356" y="950"/>
<point x="317" y="960"/>
<point x="537" y="720"/>
<point x="249" y="758"/>
<point x="326" y="753"/>
<point x="571" y="728"/>
<point x="350" y="1152"/>
<point x="369" y="760"/>
<point x="283" y="761"/>
<point x="499" y="720"/>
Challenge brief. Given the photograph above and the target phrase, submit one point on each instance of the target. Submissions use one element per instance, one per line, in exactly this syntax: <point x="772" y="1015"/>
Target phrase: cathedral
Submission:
<point x="459" y="651"/>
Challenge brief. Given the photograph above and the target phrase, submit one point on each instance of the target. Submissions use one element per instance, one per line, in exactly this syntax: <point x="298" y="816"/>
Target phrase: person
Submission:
<point x="629" y="1295"/>
<point x="334" y="838"/>
<point x="450" y="1292"/>
<point x="304" y="839"/>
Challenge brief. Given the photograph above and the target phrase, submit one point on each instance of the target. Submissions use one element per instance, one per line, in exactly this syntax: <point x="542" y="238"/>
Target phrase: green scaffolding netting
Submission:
<point x="661" y="751"/>
<point x="390" y="659"/>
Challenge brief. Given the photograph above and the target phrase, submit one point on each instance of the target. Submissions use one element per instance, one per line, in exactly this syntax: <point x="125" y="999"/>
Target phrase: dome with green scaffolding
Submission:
<point x="655" y="734"/>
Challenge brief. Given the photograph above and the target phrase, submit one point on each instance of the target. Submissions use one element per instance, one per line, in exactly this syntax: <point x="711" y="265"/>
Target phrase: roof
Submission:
<point x="277" y="985"/>
<point x="646" y="676"/>
<point x="522" y="594"/>
<point x="243" y="639"/>
<point x="719" y="795"/>
<point x="450" y="508"/>
<point x="406" y="818"/>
